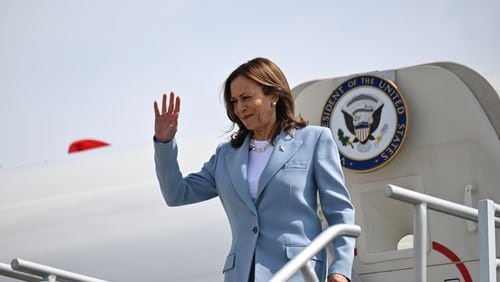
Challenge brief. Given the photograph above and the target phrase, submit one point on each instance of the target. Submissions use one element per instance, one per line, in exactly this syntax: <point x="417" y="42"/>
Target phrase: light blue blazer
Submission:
<point x="283" y="218"/>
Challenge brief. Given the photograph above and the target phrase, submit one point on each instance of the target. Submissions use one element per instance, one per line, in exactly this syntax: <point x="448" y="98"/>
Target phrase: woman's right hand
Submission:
<point x="166" y="120"/>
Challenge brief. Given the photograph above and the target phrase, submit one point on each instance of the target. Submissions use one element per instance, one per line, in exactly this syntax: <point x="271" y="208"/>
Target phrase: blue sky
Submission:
<point x="91" y="69"/>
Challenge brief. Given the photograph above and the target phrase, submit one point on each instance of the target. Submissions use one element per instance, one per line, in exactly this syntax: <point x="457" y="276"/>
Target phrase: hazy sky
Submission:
<point x="91" y="69"/>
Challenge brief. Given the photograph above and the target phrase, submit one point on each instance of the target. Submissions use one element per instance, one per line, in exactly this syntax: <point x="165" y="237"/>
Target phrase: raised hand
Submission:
<point x="166" y="121"/>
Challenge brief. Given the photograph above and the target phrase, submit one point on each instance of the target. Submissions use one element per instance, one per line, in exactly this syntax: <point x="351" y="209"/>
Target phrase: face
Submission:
<point x="253" y="107"/>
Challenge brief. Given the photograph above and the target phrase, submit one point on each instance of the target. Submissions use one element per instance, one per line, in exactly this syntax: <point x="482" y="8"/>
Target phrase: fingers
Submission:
<point x="174" y="105"/>
<point x="164" y="104"/>
<point x="171" y="102"/>
<point x="177" y="105"/>
<point x="157" y="111"/>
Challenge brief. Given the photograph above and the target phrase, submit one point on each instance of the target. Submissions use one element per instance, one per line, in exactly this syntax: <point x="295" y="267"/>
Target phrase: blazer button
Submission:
<point x="255" y="230"/>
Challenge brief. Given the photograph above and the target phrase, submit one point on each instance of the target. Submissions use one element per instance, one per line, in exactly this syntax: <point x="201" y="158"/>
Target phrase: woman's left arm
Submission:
<point x="335" y="200"/>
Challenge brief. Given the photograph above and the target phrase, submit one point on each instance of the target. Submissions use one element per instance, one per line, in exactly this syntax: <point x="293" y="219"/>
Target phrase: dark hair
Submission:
<point x="272" y="81"/>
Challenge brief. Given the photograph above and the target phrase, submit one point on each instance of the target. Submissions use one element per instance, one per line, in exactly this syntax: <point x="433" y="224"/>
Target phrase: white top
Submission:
<point x="256" y="163"/>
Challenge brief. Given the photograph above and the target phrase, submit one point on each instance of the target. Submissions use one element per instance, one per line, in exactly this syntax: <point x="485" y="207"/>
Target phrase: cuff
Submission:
<point x="158" y="141"/>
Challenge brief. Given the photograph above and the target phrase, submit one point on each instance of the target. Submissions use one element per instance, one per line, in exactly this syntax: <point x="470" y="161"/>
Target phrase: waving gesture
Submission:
<point x="166" y="121"/>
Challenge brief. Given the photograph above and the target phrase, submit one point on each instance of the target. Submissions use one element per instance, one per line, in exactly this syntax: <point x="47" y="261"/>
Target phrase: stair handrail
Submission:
<point x="6" y="270"/>
<point x="485" y="216"/>
<point x="301" y="260"/>
<point x="34" y="272"/>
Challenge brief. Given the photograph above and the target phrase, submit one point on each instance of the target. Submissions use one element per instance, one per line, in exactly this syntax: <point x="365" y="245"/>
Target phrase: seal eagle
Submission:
<point x="363" y="130"/>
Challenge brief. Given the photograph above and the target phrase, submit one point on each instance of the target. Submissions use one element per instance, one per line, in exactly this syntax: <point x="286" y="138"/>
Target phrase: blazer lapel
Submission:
<point x="237" y="164"/>
<point x="285" y="148"/>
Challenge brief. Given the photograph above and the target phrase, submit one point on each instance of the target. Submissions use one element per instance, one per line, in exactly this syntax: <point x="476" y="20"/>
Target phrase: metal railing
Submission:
<point x="485" y="216"/>
<point x="302" y="260"/>
<point x="488" y="262"/>
<point x="33" y="272"/>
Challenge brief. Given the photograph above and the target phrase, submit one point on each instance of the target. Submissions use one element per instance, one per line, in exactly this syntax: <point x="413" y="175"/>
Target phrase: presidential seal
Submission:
<point x="369" y="120"/>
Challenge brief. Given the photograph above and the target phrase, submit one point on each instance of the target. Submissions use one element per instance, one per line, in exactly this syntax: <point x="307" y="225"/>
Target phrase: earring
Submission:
<point x="274" y="104"/>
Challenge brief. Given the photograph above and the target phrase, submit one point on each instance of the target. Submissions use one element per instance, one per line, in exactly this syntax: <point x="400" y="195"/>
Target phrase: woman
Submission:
<point x="267" y="177"/>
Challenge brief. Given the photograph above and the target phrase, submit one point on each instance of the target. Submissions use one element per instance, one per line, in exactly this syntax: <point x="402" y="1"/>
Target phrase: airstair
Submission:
<point x="487" y="215"/>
